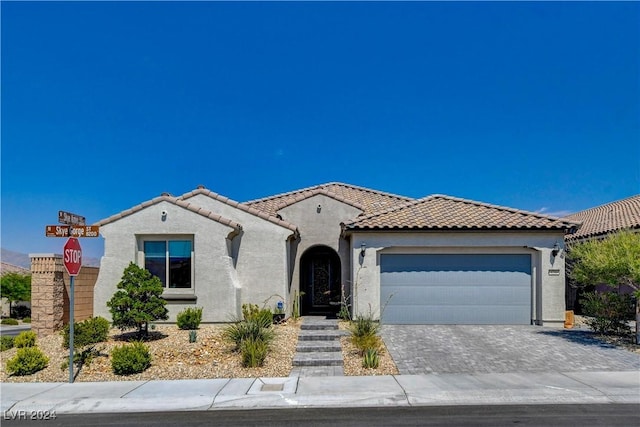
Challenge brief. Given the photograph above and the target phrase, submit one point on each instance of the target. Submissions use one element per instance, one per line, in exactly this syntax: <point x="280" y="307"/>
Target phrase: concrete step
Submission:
<point x="320" y="325"/>
<point x="332" y="358"/>
<point x="311" y="346"/>
<point x="319" y="335"/>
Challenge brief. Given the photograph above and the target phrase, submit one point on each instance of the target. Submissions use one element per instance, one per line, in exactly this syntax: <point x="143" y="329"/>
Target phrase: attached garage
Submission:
<point x="493" y="289"/>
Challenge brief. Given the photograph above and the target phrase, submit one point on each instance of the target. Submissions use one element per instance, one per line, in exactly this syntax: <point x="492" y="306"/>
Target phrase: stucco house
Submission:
<point x="440" y="259"/>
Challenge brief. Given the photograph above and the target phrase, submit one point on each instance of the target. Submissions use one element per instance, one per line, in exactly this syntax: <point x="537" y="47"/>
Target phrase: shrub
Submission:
<point x="251" y="312"/>
<point x="610" y="312"/>
<point x="245" y="330"/>
<point x="366" y="342"/>
<point x="28" y="360"/>
<point x="371" y="359"/>
<point x="190" y="318"/>
<point x="25" y="339"/>
<point x="254" y="352"/>
<point x="12" y="322"/>
<point x="6" y="342"/>
<point x="26" y="320"/>
<point x="138" y="300"/>
<point x="130" y="359"/>
<point x="193" y="336"/>
<point x="87" y="332"/>
<point x="364" y="326"/>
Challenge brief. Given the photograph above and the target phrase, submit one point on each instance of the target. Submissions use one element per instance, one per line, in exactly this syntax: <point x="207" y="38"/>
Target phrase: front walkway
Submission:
<point x="456" y="349"/>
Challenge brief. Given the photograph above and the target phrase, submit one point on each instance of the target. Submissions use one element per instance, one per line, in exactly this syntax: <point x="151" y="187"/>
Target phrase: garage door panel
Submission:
<point x="451" y="295"/>
<point x="456" y="288"/>
<point x="452" y="278"/>
<point x="454" y="315"/>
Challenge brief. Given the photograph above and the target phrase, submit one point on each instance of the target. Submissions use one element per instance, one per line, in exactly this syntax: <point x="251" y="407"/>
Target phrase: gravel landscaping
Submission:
<point x="173" y="357"/>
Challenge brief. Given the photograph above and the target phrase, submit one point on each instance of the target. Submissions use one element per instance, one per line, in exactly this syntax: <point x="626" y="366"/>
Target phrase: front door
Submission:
<point x="320" y="281"/>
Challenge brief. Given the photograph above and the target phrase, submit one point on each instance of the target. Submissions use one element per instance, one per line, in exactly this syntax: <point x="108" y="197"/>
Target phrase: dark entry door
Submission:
<point x="320" y="281"/>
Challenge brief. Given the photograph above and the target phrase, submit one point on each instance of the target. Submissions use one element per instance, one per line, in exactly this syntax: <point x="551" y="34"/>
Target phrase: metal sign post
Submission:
<point x="74" y="226"/>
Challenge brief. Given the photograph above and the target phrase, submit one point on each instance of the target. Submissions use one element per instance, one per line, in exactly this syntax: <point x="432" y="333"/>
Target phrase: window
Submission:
<point x="170" y="261"/>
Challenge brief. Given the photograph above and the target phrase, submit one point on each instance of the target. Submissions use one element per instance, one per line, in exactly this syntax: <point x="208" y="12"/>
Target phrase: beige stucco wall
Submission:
<point x="548" y="276"/>
<point x="216" y="285"/>
<point x="321" y="227"/>
<point x="262" y="263"/>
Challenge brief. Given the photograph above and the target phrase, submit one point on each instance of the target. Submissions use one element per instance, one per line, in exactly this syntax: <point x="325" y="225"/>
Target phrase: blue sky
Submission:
<point x="108" y="104"/>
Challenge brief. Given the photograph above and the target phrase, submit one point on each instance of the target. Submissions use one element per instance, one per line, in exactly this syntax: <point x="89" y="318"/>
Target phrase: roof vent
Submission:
<point x="200" y="187"/>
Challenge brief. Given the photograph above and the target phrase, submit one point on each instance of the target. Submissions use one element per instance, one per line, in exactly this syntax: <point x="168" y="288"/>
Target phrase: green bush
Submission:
<point x="248" y="330"/>
<point x="609" y="310"/>
<point x="9" y="321"/>
<point x="363" y="326"/>
<point x="26" y="320"/>
<point x="190" y="318"/>
<point x="130" y="359"/>
<point x="27" y="361"/>
<point x="25" y="339"/>
<point x="87" y="332"/>
<point x="371" y="359"/>
<point x="366" y="342"/>
<point x="251" y="312"/>
<point x="254" y="352"/>
<point x="6" y="342"/>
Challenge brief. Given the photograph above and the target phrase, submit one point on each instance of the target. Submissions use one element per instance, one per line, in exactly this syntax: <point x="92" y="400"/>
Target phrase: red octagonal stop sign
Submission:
<point x="72" y="256"/>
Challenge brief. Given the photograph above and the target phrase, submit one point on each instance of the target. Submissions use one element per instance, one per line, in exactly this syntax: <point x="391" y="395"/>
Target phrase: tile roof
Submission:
<point x="603" y="219"/>
<point x="241" y="206"/>
<point x="439" y="212"/>
<point x="176" y="201"/>
<point x="368" y="200"/>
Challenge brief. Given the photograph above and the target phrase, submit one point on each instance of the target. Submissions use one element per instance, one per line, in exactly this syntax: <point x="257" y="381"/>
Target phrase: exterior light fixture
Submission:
<point x="556" y="249"/>
<point x="319" y="208"/>
<point x="363" y="248"/>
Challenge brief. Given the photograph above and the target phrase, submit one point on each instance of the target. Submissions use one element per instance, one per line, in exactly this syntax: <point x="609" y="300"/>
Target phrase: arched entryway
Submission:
<point x="320" y="274"/>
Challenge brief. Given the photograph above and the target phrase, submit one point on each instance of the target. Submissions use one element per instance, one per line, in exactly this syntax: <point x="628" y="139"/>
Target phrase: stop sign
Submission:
<point x="72" y="256"/>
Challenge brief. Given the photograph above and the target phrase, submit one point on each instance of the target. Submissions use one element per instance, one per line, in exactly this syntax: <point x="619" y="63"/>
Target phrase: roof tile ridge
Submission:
<point x="506" y="208"/>
<point x="310" y="193"/>
<point x="134" y="209"/>
<point x="277" y="196"/>
<point x="369" y="190"/>
<point x="242" y="206"/>
<point x="389" y="210"/>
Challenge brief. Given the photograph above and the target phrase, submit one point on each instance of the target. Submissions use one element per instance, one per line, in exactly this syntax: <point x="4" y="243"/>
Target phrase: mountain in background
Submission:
<point x="23" y="260"/>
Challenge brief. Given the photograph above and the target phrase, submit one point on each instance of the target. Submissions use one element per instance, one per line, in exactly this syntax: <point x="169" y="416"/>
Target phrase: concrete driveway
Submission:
<point x="439" y="349"/>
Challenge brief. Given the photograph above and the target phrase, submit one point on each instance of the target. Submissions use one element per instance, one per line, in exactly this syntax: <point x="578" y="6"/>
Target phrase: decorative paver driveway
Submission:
<point x="424" y="349"/>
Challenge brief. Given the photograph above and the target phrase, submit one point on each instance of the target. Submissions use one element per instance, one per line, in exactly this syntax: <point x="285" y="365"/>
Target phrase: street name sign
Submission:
<point x="70" y="218"/>
<point x="72" y="231"/>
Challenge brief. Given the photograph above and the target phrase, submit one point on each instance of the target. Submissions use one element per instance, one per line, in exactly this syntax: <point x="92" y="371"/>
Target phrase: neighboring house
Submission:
<point x="10" y="268"/>
<point x="434" y="260"/>
<point x="597" y="223"/>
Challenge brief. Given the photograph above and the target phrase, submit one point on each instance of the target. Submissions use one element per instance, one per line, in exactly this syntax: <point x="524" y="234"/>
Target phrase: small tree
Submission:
<point x="138" y="301"/>
<point x="15" y="287"/>
<point x="614" y="261"/>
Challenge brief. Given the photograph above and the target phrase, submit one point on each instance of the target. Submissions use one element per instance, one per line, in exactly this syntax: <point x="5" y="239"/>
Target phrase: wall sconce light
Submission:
<point x="556" y="249"/>
<point x="319" y="208"/>
<point x="163" y="215"/>
<point x="363" y="248"/>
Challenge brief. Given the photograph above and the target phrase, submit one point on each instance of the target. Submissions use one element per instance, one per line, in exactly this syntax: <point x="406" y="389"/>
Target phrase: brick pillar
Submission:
<point x="47" y="293"/>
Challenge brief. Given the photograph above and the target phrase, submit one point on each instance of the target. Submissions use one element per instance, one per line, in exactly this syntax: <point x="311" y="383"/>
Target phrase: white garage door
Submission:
<point x="456" y="289"/>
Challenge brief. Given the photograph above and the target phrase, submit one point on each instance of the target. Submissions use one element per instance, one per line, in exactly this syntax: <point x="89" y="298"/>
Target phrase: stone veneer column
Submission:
<point x="47" y="293"/>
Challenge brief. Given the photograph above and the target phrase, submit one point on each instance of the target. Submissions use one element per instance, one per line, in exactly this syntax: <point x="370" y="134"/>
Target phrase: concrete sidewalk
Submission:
<point x="291" y="392"/>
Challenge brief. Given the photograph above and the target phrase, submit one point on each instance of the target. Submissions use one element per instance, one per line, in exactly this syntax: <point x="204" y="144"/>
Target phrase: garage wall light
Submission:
<point x="363" y="248"/>
<point x="556" y="249"/>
